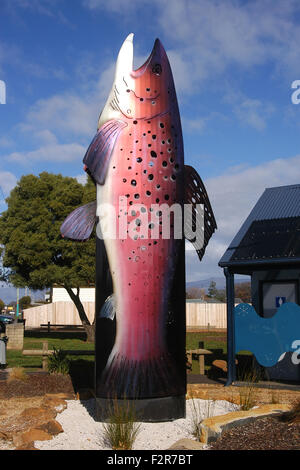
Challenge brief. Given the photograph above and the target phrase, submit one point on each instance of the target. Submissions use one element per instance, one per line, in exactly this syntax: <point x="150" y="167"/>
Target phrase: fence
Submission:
<point x="204" y="315"/>
<point x="64" y="313"/>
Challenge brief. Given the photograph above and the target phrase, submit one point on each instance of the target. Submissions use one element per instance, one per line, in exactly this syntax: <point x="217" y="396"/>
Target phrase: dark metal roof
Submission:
<point x="271" y="231"/>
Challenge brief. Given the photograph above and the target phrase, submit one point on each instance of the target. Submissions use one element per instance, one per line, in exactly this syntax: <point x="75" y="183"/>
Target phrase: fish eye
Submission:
<point x="157" y="69"/>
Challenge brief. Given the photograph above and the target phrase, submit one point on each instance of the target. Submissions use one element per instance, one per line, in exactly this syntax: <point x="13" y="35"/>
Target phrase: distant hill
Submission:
<point x="220" y="282"/>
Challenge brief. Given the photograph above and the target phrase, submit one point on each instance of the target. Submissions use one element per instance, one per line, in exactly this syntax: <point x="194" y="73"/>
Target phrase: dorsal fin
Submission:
<point x="195" y="193"/>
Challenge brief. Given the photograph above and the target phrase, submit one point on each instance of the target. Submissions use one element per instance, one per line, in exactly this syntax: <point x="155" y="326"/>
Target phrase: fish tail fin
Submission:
<point x="133" y="379"/>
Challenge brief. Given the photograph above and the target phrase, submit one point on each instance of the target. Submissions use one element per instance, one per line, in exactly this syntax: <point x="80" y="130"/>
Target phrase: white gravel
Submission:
<point x="82" y="432"/>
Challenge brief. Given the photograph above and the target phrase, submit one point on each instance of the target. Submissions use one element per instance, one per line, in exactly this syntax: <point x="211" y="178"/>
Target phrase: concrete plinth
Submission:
<point x="146" y="410"/>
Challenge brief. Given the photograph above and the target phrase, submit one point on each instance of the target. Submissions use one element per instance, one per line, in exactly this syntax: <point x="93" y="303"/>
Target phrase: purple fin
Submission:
<point x="195" y="193"/>
<point x="80" y="223"/>
<point x="98" y="154"/>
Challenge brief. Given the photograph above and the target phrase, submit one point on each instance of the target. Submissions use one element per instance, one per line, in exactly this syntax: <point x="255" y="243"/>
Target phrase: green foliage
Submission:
<point x="25" y="302"/>
<point x="58" y="363"/>
<point x="121" y="429"/>
<point x="243" y="291"/>
<point x="214" y="293"/>
<point x="212" y="290"/>
<point x="2" y="305"/>
<point x="34" y="251"/>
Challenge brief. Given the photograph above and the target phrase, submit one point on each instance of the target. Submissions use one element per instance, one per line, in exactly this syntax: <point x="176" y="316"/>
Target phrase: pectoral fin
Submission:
<point x="195" y="193"/>
<point x="80" y="223"/>
<point x="108" y="309"/>
<point x="98" y="154"/>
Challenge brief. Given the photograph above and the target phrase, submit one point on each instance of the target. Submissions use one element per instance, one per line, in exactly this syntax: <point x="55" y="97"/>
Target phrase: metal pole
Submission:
<point x="231" y="373"/>
<point x="18" y="295"/>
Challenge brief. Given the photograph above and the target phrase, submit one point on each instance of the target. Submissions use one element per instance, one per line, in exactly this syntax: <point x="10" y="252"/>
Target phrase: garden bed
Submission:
<point x="268" y="433"/>
<point x="36" y="384"/>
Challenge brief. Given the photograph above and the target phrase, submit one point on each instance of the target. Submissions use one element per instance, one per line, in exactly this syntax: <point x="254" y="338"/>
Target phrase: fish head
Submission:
<point x="142" y="93"/>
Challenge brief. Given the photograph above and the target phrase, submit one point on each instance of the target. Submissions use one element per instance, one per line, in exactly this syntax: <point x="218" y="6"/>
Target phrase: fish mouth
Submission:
<point x="156" y="57"/>
<point x="125" y="58"/>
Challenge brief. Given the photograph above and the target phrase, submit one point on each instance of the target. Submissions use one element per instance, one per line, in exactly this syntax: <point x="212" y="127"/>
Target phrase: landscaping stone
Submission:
<point x="28" y="446"/>
<point x="187" y="444"/>
<point x="232" y="393"/>
<point x="39" y="415"/>
<point x="56" y="402"/>
<point x="212" y="428"/>
<point x="52" y="427"/>
<point x="30" y="436"/>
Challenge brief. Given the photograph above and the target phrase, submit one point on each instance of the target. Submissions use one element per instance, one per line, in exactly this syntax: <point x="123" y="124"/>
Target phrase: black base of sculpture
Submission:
<point x="146" y="410"/>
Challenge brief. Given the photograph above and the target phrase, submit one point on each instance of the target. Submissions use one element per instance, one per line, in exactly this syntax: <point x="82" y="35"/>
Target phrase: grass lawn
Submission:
<point x="34" y="340"/>
<point x="214" y="341"/>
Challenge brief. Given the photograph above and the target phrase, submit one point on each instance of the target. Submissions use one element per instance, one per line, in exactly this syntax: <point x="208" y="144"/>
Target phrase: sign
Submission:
<point x="280" y="301"/>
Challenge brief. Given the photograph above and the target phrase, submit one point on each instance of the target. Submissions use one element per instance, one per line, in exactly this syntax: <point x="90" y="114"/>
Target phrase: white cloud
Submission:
<point x="213" y="35"/>
<point x="71" y="113"/>
<point x="70" y="117"/>
<point x="7" y="182"/>
<point x="252" y="112"/>
<point x="82" y="178"/>
<point x="200" y="123"/>
<point x="52" y="152"/>
<point x="232" y="196"/>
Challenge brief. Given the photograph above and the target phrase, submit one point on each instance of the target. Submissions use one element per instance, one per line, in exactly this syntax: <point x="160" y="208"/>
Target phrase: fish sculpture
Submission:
<point x="136" y="160"/>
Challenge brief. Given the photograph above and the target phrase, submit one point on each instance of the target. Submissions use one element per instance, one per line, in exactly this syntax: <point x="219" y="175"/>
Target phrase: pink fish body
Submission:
<point x="137" y="161"/>
<point x="145" y="170"/>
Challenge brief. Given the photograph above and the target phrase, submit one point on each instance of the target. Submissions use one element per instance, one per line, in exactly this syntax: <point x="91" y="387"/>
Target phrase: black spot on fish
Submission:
<point x="157" y="69"/>
<point x="153" y="154"/>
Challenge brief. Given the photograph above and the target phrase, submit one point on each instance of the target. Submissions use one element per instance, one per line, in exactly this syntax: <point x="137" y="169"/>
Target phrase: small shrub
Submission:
<point x="58" y="363"/>
<point x="17" y="373"/>
<point x="247" y="392"/>
<point x="121" y="430"/>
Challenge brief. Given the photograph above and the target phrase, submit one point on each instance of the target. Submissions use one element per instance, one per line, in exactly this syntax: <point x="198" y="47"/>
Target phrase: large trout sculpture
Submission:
<point x="136" y="160"/>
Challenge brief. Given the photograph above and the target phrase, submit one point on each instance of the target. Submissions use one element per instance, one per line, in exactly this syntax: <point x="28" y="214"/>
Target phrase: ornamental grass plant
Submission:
<point x="58" y="363"/>
<point x="122" y="428"/>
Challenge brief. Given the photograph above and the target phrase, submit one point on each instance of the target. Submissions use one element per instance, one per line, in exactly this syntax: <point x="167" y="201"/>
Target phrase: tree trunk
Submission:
<point x="89" y="328"/>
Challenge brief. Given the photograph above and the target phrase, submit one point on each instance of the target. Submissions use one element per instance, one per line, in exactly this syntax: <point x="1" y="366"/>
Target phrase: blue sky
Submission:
<point x="233" y="64"/>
